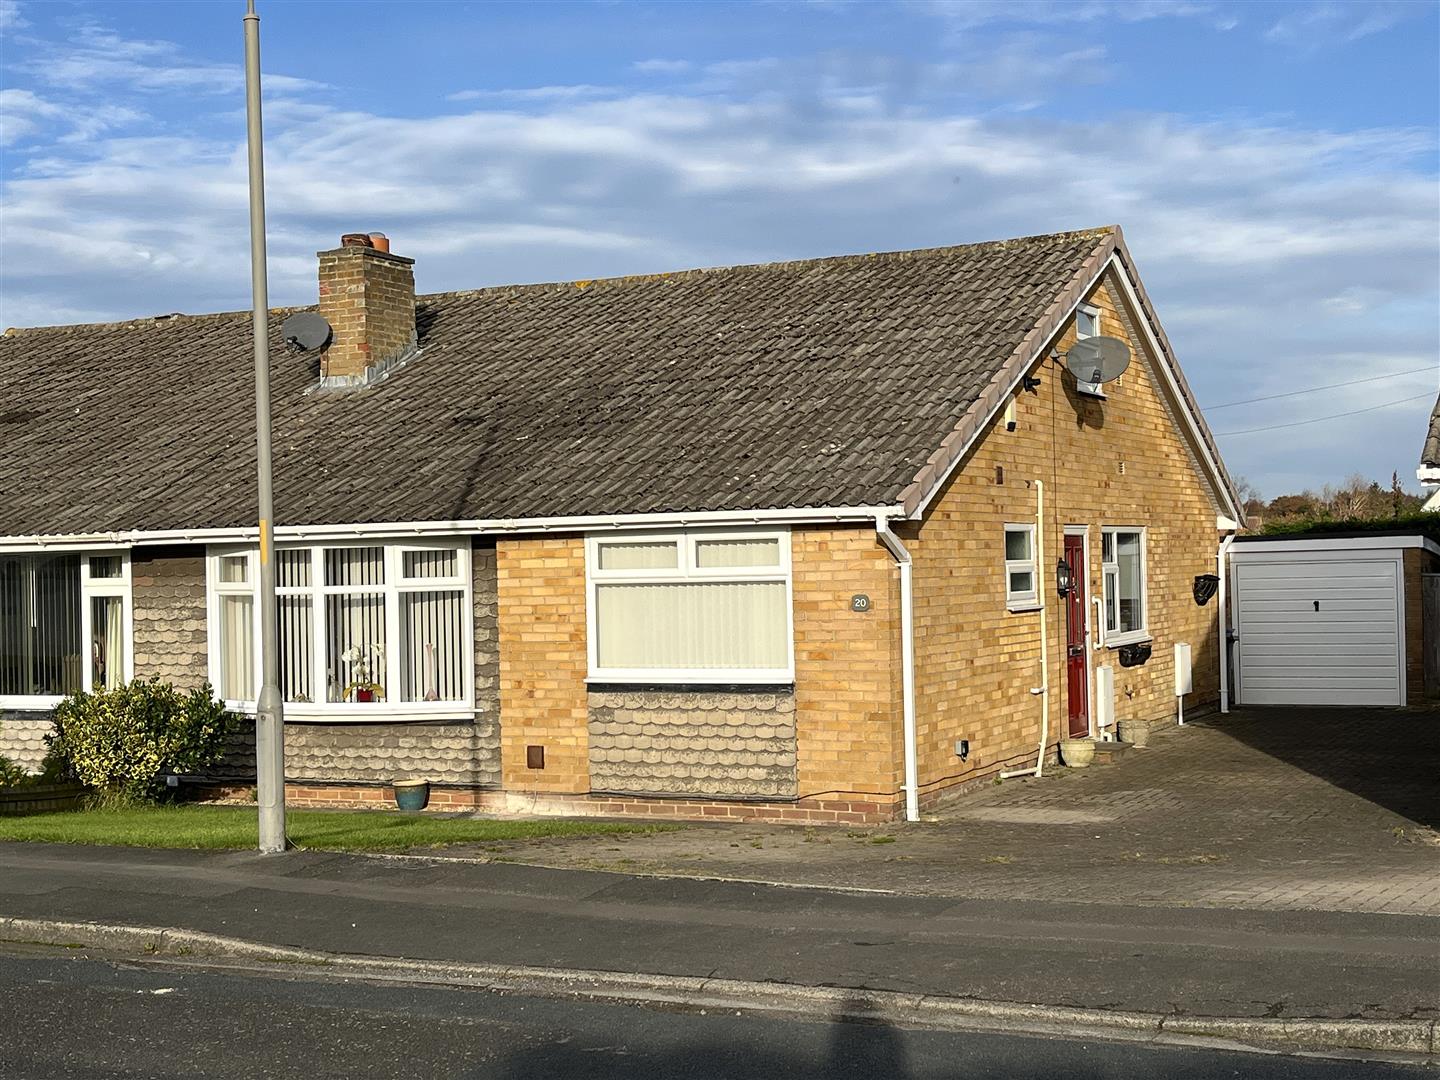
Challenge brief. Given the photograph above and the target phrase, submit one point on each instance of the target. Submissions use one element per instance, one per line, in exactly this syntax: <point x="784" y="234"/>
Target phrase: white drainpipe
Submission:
<point x="1043" y="690"/>
<point x="1224" y="623"/>
<point x="907" y="662"/>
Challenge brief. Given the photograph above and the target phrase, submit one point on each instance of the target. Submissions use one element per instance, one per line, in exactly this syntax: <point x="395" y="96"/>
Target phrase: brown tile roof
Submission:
<point x="827" y="382"/>
<point x="1430" y="456"/>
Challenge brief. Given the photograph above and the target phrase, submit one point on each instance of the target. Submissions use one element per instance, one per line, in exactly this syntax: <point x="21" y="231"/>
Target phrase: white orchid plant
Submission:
<point x="364" y="661"/>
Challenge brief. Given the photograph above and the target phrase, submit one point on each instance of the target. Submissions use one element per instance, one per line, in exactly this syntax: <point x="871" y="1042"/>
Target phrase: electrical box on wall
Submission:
<point x="1104" y="698"/>
<point x="1184" y="677"/>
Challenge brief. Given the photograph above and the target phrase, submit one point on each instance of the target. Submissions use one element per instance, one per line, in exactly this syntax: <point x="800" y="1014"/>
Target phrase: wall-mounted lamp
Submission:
<point x="1064" y="578"/>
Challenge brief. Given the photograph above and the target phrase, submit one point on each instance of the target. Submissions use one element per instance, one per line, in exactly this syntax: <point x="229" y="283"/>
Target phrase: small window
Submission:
<point x="106" y="567"/>
<point x="1087" y="323"/>
<point x="1123" y="565"/>
<point x="1020" y="591"/>
<point x="642" y="555"/>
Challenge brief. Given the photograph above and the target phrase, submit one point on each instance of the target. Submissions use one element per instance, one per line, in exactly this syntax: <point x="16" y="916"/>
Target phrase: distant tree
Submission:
<point x="1358" y="499"/>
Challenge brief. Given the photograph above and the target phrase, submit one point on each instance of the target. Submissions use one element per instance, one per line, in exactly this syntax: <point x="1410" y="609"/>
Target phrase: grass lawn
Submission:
<point x="235" y="827"/>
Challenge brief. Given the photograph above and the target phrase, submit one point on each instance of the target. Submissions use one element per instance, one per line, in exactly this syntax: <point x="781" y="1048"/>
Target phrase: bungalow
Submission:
<point x="784" y="540"/>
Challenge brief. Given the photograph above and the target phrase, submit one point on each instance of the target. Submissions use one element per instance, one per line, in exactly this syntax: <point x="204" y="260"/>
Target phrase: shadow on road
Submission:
<point x="1388" y="757"/>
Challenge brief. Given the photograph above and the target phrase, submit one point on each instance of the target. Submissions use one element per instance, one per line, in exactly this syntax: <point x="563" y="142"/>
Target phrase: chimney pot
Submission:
<point x="356" y="239"/>
<point x="379" y="241"/>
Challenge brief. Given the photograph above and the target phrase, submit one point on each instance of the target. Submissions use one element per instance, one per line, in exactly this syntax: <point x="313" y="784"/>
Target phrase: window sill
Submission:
<point x="377" y="713"/>
<point x="29" y="704"/>
<point x="1137" y="637"/>
<point x="1021" y="608"/>
<point x="690" y="678"/>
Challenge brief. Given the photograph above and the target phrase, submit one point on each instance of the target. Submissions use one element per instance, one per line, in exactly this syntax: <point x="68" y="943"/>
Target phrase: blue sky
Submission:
<point x="1274" y="165"/>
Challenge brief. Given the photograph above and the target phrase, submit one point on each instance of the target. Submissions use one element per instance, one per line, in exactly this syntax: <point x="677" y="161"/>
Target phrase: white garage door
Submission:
<point x="1323" y="632"/>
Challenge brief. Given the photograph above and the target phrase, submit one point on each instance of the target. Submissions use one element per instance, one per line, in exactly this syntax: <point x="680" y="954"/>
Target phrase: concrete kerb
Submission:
<point x="1400" y="1038"/>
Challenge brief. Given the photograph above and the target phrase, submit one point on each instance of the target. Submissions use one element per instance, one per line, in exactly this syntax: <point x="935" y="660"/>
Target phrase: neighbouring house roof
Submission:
<point x="1430" y="455"/>
<point x="849" y="381"/>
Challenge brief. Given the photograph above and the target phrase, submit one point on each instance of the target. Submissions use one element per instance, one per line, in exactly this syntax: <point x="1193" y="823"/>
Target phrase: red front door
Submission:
<point x="1077" y="676"/>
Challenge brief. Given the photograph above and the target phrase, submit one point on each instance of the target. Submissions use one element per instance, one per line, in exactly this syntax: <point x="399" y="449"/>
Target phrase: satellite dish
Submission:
<point x="1097" y="360"/>
<point x="306" y="330"/>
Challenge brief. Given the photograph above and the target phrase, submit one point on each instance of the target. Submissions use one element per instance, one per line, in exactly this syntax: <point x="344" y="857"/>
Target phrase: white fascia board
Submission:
<point x="1429" y="475"/>
<point x="1225" y="524"/>
<point x="393" y="530"/>
<point x="1341" y="545"/>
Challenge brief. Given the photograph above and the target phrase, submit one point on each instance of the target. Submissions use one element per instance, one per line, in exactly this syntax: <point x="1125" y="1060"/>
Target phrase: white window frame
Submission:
<point x="395" y="585"/>
<point x="1092" y="312"/>
<point x="90" y="588"/>
<point x="1110" y="573"/>
<point x="686" y="570"/>
<point x="1021" y="601"/>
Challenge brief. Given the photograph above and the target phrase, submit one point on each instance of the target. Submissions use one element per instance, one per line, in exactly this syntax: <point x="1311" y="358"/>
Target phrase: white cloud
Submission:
<point x="661" y="67"/>
<point x="10" y="17"/>
<point x="1316" y="26"/>
<point x="964" y="15"/>
<point x="533" y="93"/>
<point x="97" y="57"/>
<point x="1274" y="254"/>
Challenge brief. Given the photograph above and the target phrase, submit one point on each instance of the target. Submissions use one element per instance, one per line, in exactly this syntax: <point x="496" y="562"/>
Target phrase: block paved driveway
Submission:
<point x="1294" y="809"/>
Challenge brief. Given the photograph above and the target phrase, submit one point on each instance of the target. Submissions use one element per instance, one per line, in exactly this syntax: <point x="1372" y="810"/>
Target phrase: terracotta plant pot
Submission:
<point x="412" y="795"/>
<point x="1134" y="732"/>
<point x="1077" y="753"/>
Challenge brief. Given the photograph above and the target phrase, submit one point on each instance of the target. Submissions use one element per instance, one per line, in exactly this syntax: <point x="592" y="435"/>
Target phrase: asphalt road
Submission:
<point x="79" y="1017"/>
<point x="1197" y="962"/>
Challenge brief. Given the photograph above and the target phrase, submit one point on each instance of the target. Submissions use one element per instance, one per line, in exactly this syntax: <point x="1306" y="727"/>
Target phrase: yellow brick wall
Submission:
<point x="847" y="664"/>
<point x="976" y="661"/>
<point x="541" y="588"/>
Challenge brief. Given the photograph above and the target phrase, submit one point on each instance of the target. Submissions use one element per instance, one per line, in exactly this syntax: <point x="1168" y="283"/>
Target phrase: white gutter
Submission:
<point x="907" y="661"/>
<point x="1043" y="690"/>
<point x="1223" y="617"/>
<point x="401" y="529"/>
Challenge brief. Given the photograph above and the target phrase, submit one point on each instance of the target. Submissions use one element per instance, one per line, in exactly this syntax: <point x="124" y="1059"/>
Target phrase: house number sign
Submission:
<point x="860" y="602"/>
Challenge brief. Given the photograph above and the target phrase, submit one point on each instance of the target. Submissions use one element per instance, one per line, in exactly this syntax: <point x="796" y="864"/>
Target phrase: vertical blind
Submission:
<point x="692" y="625"/>
<point x="40" y="647"/>
<point x="237" y="653"/>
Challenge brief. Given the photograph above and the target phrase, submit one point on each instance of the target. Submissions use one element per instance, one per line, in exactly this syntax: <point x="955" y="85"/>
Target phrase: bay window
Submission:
<point x="690" y="606"/>
<point x="1123" y="568"/>
<point x="377" y="627"/>
<point x="64" y="625"/>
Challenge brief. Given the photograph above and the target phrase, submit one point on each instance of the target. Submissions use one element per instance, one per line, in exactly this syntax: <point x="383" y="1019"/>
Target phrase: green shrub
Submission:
<point x="12" y="775"/>
<point x="123" y="742"/>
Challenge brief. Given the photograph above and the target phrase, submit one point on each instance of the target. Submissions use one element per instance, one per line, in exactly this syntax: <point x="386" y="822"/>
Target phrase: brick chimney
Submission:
<point x="367" y="295"/>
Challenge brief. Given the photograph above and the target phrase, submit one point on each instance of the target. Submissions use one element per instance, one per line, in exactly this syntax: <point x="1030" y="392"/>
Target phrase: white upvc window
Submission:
<point x="1021" y="593"/>
<point x="1124" y="578"/>
<point x="65" y="625"/>
<point x="690" y="606"/>
<point x="1087" y="325"/>
<point x="366" y="630"/>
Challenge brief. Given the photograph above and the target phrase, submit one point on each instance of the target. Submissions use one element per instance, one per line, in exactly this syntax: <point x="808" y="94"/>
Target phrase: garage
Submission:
<point x="1324" y="620"/>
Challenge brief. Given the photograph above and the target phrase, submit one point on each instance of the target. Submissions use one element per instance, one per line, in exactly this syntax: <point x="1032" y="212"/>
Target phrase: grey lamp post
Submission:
<point x="270" y="707"/>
